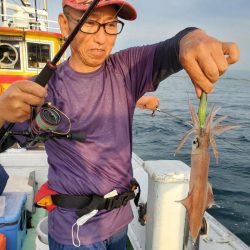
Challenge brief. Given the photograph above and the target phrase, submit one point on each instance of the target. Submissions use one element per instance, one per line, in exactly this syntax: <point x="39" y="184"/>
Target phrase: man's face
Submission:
<point x="89" y="51"/>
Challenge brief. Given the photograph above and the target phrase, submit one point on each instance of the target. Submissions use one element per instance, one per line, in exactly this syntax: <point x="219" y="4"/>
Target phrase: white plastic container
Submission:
<point x="18" y="183"/>
<point x="42" y="230"/>
<point x="40" y="245"/>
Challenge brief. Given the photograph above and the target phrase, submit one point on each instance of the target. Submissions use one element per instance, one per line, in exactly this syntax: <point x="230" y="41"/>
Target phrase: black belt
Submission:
<point x="85" y="204"/>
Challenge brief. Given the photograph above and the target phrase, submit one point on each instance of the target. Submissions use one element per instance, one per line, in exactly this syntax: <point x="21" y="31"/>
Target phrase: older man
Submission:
<point x="98" y="91"/>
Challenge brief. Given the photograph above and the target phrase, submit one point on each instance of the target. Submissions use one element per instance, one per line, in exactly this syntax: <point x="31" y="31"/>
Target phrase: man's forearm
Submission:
<point x="166" y="58"/>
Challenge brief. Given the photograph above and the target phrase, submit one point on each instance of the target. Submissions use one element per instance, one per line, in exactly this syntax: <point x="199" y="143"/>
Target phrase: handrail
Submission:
<point x="48" y="25"/>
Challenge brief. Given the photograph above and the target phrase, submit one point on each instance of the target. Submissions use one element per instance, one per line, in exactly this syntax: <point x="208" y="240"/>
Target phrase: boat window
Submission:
<point x="10" y="55"/>
<point x="38" y="55"/>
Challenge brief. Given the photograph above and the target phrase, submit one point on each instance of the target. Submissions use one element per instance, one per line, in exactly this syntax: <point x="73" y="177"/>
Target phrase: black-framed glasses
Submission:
<point x="92" y="27"/>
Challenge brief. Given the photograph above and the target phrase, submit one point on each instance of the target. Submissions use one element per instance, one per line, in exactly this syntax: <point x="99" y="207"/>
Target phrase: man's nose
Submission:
<point x="101" y="35"/>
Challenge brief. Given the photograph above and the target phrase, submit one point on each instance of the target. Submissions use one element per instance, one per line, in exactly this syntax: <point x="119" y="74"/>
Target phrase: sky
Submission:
<point x="227" y="20"/>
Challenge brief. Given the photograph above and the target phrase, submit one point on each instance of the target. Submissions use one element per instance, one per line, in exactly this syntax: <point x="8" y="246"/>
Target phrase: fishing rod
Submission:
<point x="50" y="67"/>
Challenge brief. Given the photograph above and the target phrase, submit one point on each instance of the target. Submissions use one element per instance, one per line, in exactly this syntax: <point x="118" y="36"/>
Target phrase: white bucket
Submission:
<point x="40" y="245"/>
<point x="42" y="234"/>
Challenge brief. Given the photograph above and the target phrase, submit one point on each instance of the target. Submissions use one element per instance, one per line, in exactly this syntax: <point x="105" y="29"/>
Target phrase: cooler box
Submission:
<point x="13" y="221"/>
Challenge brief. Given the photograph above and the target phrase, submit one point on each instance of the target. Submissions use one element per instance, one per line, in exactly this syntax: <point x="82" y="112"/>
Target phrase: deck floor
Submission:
<point x="29" y="242"/>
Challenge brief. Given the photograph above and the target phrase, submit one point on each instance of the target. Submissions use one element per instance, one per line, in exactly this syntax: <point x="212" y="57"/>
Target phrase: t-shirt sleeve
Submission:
<point x="136" y="65"/>
<point x="144" y="67"/>
<point x="166" y="57"/>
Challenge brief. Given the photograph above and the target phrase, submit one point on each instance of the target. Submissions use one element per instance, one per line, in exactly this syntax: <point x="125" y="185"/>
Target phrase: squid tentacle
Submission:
<point x="184" y="139"/>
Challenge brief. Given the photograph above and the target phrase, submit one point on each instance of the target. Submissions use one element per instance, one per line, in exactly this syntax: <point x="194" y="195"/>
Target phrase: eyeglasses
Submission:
<point x="92" y="27"/>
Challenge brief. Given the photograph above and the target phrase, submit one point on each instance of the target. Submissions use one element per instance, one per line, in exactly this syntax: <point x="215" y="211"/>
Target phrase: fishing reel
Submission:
<point x="48" y="122"/>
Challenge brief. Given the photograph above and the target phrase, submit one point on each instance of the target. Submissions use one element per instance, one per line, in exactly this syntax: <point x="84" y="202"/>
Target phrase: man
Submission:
<point x="98" y="92"/>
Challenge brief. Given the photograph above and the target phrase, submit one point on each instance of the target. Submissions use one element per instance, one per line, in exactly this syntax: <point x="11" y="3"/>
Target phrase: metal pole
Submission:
<point x="2" y="10"/>
<point x="36" y="12"/>
<point x="45" y="5"/>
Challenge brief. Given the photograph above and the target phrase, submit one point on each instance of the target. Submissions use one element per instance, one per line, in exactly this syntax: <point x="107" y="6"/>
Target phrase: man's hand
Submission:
<point x="15" y="102"/>
<point x="148" y="102"/>
<point x="205" y="59"/>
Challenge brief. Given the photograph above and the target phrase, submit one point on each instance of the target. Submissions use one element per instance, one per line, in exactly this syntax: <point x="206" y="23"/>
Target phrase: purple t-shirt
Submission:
<point x="101" y="104"/>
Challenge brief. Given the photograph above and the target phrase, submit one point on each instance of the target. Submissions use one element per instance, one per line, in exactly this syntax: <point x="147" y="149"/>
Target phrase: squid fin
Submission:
<point x="210" y="196"/>
<point x="186" y="202"/>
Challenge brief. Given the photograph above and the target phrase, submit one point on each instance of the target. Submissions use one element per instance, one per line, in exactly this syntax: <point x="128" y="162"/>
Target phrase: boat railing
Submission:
<point x="26" y="17"/>
<point x="28" y="23"/>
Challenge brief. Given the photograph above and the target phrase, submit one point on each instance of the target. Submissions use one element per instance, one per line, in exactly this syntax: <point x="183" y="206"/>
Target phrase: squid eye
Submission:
<point x="195" y="143"/>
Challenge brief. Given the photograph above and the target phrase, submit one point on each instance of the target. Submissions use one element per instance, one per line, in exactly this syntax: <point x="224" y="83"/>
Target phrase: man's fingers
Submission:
<point x="220" y="61"/>
<point x="32" y="99"/>
<point x="24" y="113"/>
<point x="198" y="76"/>
<point x="20" y="112"/>
<point x="209" y="67"/>
<point x="31" y="88"/>
<point x="232" y="52"/>
<point x="198" y="90"/>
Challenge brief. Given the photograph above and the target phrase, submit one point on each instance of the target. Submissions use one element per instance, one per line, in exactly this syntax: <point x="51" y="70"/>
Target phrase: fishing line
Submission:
<point x="174" y="116"/>
<point x="118" y="10"/>
<point x="230" y="143"/>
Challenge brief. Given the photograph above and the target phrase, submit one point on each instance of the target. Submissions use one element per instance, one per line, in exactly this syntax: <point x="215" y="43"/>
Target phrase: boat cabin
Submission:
<point x="27" y="41"/>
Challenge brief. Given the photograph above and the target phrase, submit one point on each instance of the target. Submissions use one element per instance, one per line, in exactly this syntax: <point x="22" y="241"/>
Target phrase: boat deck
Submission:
<point x="29" y="242"/>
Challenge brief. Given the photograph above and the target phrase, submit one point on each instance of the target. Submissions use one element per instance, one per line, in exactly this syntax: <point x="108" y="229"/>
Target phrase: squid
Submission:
<point x="200" y="195"/>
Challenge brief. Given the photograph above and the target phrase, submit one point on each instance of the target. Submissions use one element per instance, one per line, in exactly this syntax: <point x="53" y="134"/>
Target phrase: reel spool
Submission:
<point x="47" y="120"/>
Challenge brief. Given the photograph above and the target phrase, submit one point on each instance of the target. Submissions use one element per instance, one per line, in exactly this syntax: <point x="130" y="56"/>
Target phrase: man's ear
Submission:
<point x="64" y="25"/>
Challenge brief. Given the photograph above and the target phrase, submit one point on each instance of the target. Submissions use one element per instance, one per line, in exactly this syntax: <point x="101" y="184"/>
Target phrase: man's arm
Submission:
<point x="15" y="102"/>
<point x="15" y="105"/>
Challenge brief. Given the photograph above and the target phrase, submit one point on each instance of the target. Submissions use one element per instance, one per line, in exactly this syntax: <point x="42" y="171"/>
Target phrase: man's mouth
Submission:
<point x="98" y="52"/>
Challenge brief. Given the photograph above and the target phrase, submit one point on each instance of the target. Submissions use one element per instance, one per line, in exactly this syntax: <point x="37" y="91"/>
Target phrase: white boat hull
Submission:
<point x="163" y="183"/>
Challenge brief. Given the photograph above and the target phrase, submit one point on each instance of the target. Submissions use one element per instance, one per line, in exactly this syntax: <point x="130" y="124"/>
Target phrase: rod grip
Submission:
<point x="77" y="136"/>
<point x="46" y="73"/>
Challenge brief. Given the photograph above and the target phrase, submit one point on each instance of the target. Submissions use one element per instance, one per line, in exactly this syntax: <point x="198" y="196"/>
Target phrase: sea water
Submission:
<point x="156" y="137"/>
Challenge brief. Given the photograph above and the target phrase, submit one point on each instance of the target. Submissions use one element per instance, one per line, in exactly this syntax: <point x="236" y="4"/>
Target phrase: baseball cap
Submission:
<point x="124" y="9"/>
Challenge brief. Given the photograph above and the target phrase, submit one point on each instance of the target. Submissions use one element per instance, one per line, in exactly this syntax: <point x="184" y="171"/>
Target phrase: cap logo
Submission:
<point x="88" y="2"/>
<point x="84" y="2"/>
